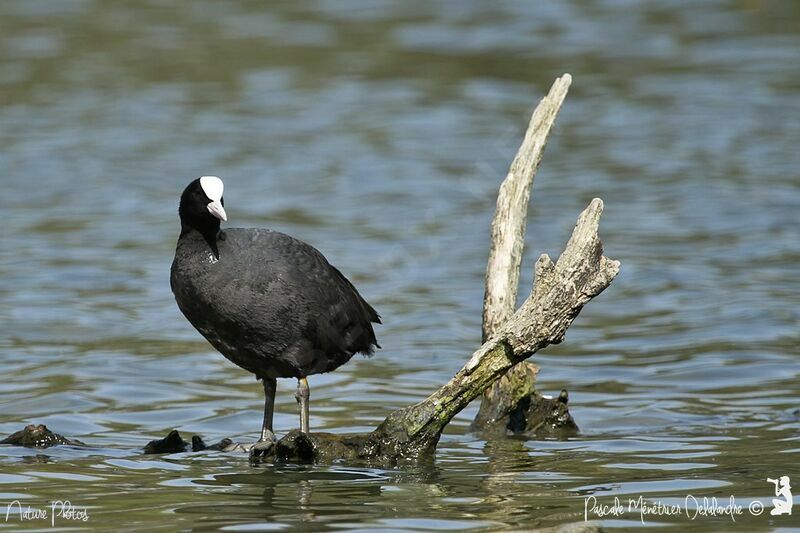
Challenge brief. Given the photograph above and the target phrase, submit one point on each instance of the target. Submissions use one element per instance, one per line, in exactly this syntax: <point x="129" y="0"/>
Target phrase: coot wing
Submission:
<point x="296" y="298"/>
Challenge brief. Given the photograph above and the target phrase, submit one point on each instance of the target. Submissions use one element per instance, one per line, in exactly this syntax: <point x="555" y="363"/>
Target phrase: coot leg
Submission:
<point x="269" y="408"/>
<point x="303" y="393"/>
<point x="267" y="440"/>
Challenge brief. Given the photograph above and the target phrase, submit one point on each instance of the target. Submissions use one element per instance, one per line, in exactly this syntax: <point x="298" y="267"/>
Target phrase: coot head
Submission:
<point x="202" y="206"/>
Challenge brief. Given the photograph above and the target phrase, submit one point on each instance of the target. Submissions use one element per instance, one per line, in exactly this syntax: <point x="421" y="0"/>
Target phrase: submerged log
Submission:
<point x="38" y="436"/>
<point x="172" y="443"/>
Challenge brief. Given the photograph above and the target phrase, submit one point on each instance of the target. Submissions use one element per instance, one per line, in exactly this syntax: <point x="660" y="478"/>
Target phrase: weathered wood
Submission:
<point x="559" y="292"/>
<point x="505" y="259"/>
<point x="511" y="214"/>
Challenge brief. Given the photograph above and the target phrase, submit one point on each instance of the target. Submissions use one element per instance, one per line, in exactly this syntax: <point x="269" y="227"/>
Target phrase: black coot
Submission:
<point x="268" y="302"/>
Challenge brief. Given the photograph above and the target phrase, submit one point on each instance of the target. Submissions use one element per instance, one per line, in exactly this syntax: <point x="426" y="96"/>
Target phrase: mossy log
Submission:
<point x="38" y="436"/>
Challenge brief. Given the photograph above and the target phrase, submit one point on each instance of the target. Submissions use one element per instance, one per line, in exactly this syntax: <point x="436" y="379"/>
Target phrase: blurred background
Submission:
<point x="379" y="131"/>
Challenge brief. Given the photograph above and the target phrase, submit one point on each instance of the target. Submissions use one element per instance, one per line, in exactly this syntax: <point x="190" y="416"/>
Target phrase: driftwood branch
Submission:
<point x="508" y="225"/>
<point x="559" y="293"/>
<point x="505" y="260"/>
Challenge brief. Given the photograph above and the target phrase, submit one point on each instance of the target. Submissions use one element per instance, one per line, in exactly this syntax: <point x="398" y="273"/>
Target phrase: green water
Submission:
<point x="379" y="131"/>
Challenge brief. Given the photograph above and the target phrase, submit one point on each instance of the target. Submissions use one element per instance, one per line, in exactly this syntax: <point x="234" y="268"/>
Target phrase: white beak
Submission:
<point x="216" y="209"/>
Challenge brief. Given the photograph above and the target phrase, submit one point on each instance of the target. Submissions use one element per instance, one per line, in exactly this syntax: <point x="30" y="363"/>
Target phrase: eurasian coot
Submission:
<point x="268" y="302"/>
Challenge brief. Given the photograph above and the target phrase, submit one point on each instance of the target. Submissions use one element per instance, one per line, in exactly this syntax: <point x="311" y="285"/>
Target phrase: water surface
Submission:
<point x="379" y="132"/>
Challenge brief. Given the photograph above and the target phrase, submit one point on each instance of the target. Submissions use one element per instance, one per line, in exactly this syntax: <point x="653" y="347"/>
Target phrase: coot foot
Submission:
<point x="264" y="446"/>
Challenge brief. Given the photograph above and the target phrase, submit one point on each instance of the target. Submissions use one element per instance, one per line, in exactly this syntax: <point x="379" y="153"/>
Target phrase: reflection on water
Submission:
<point x="379" y="131"/>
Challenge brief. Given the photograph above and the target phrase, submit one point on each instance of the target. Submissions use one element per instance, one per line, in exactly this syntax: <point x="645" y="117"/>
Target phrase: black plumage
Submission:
<point x="268" y="302"/>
